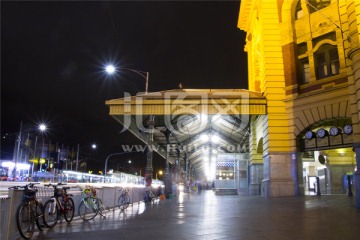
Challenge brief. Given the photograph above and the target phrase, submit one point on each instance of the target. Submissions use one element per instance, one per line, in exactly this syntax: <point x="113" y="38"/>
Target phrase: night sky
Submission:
<point x="53" y="53"/>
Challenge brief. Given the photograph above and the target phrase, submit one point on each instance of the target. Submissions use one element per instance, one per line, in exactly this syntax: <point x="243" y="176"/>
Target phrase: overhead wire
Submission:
<point x="328" y="18"/>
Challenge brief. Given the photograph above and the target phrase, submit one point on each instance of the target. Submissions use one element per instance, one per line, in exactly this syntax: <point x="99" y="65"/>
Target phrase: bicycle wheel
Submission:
<point x="69" y="210"/>
<point x="51" y="213"/>
<point x="123" y="201"/>
<point x="88" y="208"/>
<point x="39" y="215"/>
<point x="25" y="221"/>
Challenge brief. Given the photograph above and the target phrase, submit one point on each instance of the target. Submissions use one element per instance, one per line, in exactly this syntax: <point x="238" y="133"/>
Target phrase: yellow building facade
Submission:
<point x="304" y="57"/>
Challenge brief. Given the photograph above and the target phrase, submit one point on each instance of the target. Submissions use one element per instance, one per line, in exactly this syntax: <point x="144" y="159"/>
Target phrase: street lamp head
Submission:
<point x="42" y="127"/>
<point x="93" y="146"/>
<point x="110" y="69"/>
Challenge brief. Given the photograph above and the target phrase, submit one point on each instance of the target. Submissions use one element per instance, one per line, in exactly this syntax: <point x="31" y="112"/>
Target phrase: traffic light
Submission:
<point x="44" y="167"/>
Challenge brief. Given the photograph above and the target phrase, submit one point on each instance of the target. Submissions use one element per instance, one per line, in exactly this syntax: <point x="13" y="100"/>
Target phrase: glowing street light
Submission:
<point x="160" y="174"/>
<point x="42" y="127"/>
<point x="111" y="69"/>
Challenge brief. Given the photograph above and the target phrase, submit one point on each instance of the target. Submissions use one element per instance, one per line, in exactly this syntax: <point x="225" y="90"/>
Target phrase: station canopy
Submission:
<point x="190" y="125"/>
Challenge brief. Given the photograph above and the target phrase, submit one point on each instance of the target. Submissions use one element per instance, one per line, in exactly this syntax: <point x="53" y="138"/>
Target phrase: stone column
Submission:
<point x="354" y="55"/>
<point x="352" y="44"/>
<point x="167" y="177"/>
<point x="149" y="167"/>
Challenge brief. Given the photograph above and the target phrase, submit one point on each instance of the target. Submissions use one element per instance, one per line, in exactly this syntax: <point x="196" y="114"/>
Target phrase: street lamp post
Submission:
<point x="42" y="129"/>
<point x="77" y="157"/>
<point x="110" y="69"/>
<point x="77" y="160"/>
<point x="130" y="167"/>
<point x="17" y="145"/>
<point x="149" y="167"/>
<point x="108" y="157"/>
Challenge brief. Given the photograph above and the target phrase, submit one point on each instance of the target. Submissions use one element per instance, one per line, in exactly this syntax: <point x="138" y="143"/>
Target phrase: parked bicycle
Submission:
<point x="59" y="204"/>
<point x="29" y="212"/>
<point x="90" y="205"/>
<point x="149" y="196"/>
<point x="124" y="198"/>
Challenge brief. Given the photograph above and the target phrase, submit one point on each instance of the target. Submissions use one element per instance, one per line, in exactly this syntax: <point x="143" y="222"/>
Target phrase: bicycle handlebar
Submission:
<point x="54" y="185"/>
<point x="29" y="185"/>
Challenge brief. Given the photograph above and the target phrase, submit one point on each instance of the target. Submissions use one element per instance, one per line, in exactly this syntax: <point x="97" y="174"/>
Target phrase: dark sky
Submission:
<point x="52" y="55"/>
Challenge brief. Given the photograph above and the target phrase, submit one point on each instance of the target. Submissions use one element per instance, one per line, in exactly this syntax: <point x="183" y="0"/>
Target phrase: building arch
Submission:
<point x="259" y="148"/>
<point x="288" y="10"/>
<point x="312" y="111"/>
<point x="329" y="158"/>
<point x="326" y="123"/>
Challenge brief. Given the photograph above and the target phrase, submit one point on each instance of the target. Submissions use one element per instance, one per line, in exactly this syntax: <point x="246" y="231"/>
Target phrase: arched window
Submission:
<point x="327" y="61"/>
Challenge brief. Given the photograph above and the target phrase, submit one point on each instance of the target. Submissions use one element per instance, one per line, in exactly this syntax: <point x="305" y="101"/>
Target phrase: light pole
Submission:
<point x="107" y="159"/>
<point x="77" y="157"/>
<point x="130" y="167"/>
<point x="149" y="166"/>
<point x="111" y="69"/>
<point x="85" y="149"/>
<point x="42" y="128"/>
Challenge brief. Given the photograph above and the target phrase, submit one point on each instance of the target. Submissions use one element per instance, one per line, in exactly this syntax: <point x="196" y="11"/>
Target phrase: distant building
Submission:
<point x="304" y="57"/>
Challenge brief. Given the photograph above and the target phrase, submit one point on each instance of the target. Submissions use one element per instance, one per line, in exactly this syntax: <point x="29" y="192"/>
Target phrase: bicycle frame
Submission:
<point x="91" y="201"/>
<point x="123" y="192"/>
<point x="59" y="204"/>
<point x="29" y="212"/>
<point x="57" y="197"/>
<point x="33" y="206"/>
<point x="60" y="201"/>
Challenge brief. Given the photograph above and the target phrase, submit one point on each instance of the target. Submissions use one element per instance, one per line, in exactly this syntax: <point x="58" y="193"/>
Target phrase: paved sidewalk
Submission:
<point x="207" y="216"/>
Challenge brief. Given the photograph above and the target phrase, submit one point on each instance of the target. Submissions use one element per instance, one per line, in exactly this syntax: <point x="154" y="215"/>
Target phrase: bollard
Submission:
<point x="350" y="194"/>
<point x="318" y="186"/>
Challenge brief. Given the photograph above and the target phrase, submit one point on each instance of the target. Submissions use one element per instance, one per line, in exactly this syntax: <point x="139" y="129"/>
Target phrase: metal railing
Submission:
<point x="9" y="204"/>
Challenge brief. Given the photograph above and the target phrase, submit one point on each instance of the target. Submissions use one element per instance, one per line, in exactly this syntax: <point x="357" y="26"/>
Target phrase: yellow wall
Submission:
<point x="266" y="74"/>
<point x="293" y="107"/>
